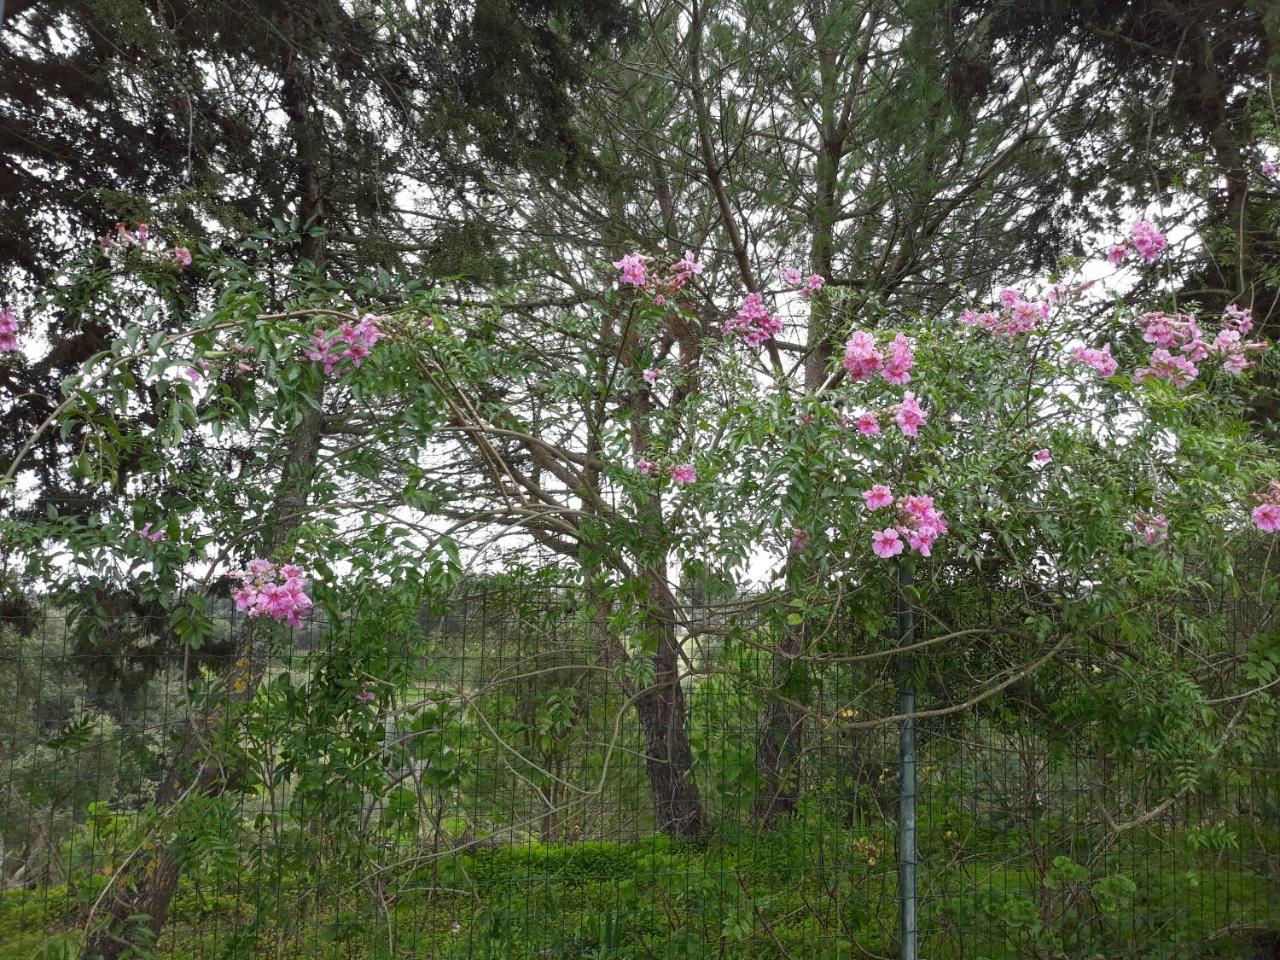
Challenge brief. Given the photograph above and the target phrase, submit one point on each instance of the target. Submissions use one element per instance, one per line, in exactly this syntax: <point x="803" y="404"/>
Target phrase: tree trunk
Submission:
<point x="668" y="760"/>
<point x="780" y="731"/>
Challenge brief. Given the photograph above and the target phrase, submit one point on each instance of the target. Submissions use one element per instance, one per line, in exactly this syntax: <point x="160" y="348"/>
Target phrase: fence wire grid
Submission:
<point x="485" y="785"/>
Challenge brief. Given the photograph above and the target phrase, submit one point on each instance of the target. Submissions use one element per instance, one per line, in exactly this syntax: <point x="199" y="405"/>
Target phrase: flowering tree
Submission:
<point x="1059" y="460"/>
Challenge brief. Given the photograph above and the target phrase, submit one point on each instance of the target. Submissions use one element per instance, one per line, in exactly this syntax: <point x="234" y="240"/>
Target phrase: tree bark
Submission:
<point x="668" y="761"/>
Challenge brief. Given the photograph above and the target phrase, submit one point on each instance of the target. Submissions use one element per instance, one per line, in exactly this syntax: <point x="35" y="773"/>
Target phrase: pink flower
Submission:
<point x="683" y="474"/>
<point x="910" y="417"/>
<point x="1100" y="360"/>
<point x="1166" y="366"/>
<point x="632" y="267"/>
<point x="155" y="536"/>
<point x="868" y="423"/>
<point x="1165" y="330"/>
<point x="791" y="276"/>
<point x="262" y="593"/>
<point x="1017" y="315"/>
<point x="1152" y="527"/>
<point x="886" y="543"/>
<point x="754" y="321"/>
<point x="1234" y="349"/>
<point x="182" y="255"/>
<point x="644" y="466"/>
<point x="1238" y="318"/>
<point x="901" y="358"/>
<point x="878" y="496"/>
<point x="660" y="300"/>
<point x="1144" y="238"/>
<point x="1266" y="517"/>
<point x="687" y="265"/>
<point x="651" y="374"/>
<point x="8" y="330"/>
<point x="813" y="284"/>
<point x="1042" y="455"/>
<point x="861" y="358"/>
<point x="366" y="695"/>
<point x="352" y="342"/>
<point x="1147" y="240"/>
<point x="799" y="539"/>
<point x="1268" y="168"/>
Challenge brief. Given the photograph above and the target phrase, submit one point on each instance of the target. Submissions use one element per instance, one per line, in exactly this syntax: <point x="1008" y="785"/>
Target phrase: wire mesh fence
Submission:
<point x="494" y="781"/>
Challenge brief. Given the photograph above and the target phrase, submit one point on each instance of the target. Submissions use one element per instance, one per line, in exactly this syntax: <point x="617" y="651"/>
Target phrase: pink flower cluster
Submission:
<point x="278" y="593"/>
<point x="145" y="531"/>
<point x="1100" y="360"/>
<point x="634" y="270"/>
<point x="1181" y="333"/>
<point x="862" y="358"/>
<point x="1178" y="370"/>
<point x="8" y="330"/>
<point x="683" y="473"/>
<point x="1269" y="169"/>
<point x="351" y="341"/>
<point x="753" y="321"/>
<point x="793" y="277"/>
<point x="1143" y="238"/>
<point x="919" y="522"/>
<point x="1266" y="515"/>
<point x="1016" y="314"/>
<point x="908" y="415"/>
<point x="141" y="239"/>
<point x="1153" y="528"/>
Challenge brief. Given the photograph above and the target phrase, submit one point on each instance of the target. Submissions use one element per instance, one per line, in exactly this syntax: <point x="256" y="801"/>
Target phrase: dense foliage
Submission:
<point x="752" y="372"/>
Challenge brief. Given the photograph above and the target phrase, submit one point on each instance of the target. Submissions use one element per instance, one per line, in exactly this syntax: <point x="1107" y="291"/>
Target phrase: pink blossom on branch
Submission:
<point x="901" y="358"/>
<point x="868" y="424"/>
<point x="1016" y="314"/>
<point x="1179" y="371"/>
<point x="1237" y="318"/>
<point x="1099" y="359"/>
<point x="1153" y="528"/>
<point x="268" y="592"/>
<point x="8" y="330"/>
<point x="886" y="543"/>
<point x="753" y="321"/>
<point x="1266" y="517"/>
<point x="352" y="341"/>
<point x="878" y="496"/>
<point x="861" y="358"/>
<point x="683" y="474"/>
<point x="910" y="417"/>
<point x="644" y="466"/>
<point x="632" y="268"/>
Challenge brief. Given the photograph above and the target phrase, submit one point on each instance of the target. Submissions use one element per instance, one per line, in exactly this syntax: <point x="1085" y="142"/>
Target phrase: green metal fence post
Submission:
<point x="906" y="773"/>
